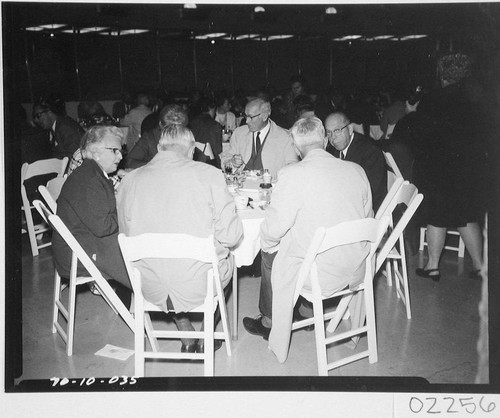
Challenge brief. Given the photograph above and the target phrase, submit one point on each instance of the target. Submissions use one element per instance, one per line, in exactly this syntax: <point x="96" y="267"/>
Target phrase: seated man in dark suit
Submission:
<point x="147" y="146"/>
<point x="87" y="206"/>
<point x="65" y="133"/>
<point x="348" y="145"/>
<point x="206" y="130"/>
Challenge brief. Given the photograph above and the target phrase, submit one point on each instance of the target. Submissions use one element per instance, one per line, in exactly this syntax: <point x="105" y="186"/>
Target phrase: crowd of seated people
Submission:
<point x="303" y="139"/>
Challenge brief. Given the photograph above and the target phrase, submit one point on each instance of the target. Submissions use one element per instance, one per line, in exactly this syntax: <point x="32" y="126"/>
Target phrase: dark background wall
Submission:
<point x="155" y="64"/>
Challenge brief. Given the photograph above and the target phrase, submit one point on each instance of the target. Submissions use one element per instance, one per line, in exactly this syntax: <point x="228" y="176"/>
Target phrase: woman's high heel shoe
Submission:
<point x="427" y="274"/>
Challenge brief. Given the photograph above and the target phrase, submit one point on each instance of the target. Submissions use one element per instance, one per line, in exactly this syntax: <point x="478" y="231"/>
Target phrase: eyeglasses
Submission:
<point x="115" y="150"/>
<point x="336" y="131"/>
<point x="251" y="117"/>
<point x="38" y="114"/>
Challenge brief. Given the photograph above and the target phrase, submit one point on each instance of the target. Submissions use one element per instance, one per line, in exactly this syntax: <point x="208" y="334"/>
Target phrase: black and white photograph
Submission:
<point x="252" y="197"/>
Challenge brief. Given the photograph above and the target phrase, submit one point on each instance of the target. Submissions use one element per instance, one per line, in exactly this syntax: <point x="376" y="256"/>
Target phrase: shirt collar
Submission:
<point x="344" y="151"/>
<point x="263" y="132"/>
<point x="54" y="126"/>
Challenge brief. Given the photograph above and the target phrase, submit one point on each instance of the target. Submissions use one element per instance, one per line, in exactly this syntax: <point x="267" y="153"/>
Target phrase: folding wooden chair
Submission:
<point x="393" y="248"/>
<point x="50" y="192"/>
<point x="171" y="246"/>
<point x="459" y="247"/>
<point x="206" y="148"/>
<point x="78" y="254"/>
<point x="394" y="172"/>
<point x="324" y="239"/>
<point x="38" y="168"/>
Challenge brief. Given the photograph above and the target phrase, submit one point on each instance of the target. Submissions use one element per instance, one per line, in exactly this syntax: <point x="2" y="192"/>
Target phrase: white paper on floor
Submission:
<point x="112" y="351"/>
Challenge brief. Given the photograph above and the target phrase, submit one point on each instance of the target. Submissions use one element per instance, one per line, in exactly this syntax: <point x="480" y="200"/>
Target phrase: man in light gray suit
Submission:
<point x="321" y="190"/>
<point x="260" y="144"/>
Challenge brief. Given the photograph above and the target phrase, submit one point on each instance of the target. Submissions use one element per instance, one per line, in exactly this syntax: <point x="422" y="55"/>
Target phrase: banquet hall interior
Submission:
<point x="109" y="52"/>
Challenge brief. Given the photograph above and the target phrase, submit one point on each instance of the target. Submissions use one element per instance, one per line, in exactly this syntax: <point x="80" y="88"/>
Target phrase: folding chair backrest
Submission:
<point x="358" y="128"/>
<point x="206" y="149"/>
<point x="391" y="162"/>
<point x="349" y="232"/>
<point x="389" y="197"/>
<point x="404" y="194"/>
<point x="409" y="196"/>
<point x="48" y="166"/>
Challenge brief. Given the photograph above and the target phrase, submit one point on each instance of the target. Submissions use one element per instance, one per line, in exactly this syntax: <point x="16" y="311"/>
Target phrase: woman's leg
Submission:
<point x="435" y="243"/>
<point x="471" y="234"/>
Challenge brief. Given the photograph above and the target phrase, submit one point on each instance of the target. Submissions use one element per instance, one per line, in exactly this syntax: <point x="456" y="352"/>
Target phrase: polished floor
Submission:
<point x="439" y="343"/>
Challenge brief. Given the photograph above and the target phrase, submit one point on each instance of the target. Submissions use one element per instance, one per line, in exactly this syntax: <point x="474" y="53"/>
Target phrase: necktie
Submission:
<point x="342" y="157"/>
<point x="257" y="143"/>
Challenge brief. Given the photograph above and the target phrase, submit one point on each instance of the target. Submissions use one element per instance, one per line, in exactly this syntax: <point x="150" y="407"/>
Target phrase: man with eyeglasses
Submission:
<point x="348" y="145"/>
<point x="64" y="132"/>
<point x="87" y="206"/>
<point x="260" y="144"/>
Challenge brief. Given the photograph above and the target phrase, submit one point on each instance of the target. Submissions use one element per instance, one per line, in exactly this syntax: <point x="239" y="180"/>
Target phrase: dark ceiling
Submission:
<point x="368" y="20"/>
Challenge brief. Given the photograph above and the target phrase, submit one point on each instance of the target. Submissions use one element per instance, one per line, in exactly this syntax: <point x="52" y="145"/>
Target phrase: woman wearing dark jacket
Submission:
<point x="447" y="168"/>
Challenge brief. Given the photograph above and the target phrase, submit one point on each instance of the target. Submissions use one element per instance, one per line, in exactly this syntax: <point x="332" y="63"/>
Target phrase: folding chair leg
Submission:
<point x="235" y="304"/>
<point x="148" y="325"/>
<point x="422" y="239"/>
<point x="57" y="298"/>
<point x="371" y="325"/>
<point x="406" y="288"/>
<point x="71" y="317"/>
<point x="319" y="330"/>
<point x="31" y="231"/>
<point x="223" y="316"/>
<point x="461" y="247"/>
<point x="388" y="273"/>
<point x="139" y="341"/>
<point x="395" y="269"/>
<point x="209" y="330"/>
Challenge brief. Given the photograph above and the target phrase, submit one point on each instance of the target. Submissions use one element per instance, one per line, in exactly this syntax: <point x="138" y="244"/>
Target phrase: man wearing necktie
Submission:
<point x="261" y="143"/>
<point x="65" y="133"/>
<point x="348" y="145"/>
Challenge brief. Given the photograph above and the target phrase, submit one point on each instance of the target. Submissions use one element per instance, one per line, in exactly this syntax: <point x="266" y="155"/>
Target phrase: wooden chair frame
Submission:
<point x="78" y="254"/>
<point x="169" y="246"/>
<point x="371" y="230"/>
<point x="38" y="168"/>
<point x="393" y="248"/>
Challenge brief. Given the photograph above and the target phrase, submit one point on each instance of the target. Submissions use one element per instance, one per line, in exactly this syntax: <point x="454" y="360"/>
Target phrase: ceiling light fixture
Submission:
<point x="347" y="38"/>
<point x="53" y="26"/>
<point x="331" y="11"/>
<point x="190" y="6"/>
<point x="277" y="37"/>
<point x="382" y="37"/>
<point x="94" y="29"/>
<point x="211" y="35"/>
<point x="133" y="31"/>
<point x="248" y="36"/>
<point x="34" y="28"/>
<point x="412" y="37"/>
<point x="259" y="9"/>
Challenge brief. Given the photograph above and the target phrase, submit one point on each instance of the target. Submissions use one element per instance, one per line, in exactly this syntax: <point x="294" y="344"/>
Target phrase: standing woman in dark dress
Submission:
<point x="447" y="165"/>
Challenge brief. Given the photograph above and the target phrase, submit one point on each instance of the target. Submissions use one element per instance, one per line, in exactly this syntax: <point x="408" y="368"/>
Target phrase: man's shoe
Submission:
<point x="254" y="326"/>
<point x="189" y="348"/>
<point x="200" y="348"/>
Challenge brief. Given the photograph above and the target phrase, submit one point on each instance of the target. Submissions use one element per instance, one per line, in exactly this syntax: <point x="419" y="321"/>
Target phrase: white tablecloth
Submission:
<point x="249" y="247"/>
